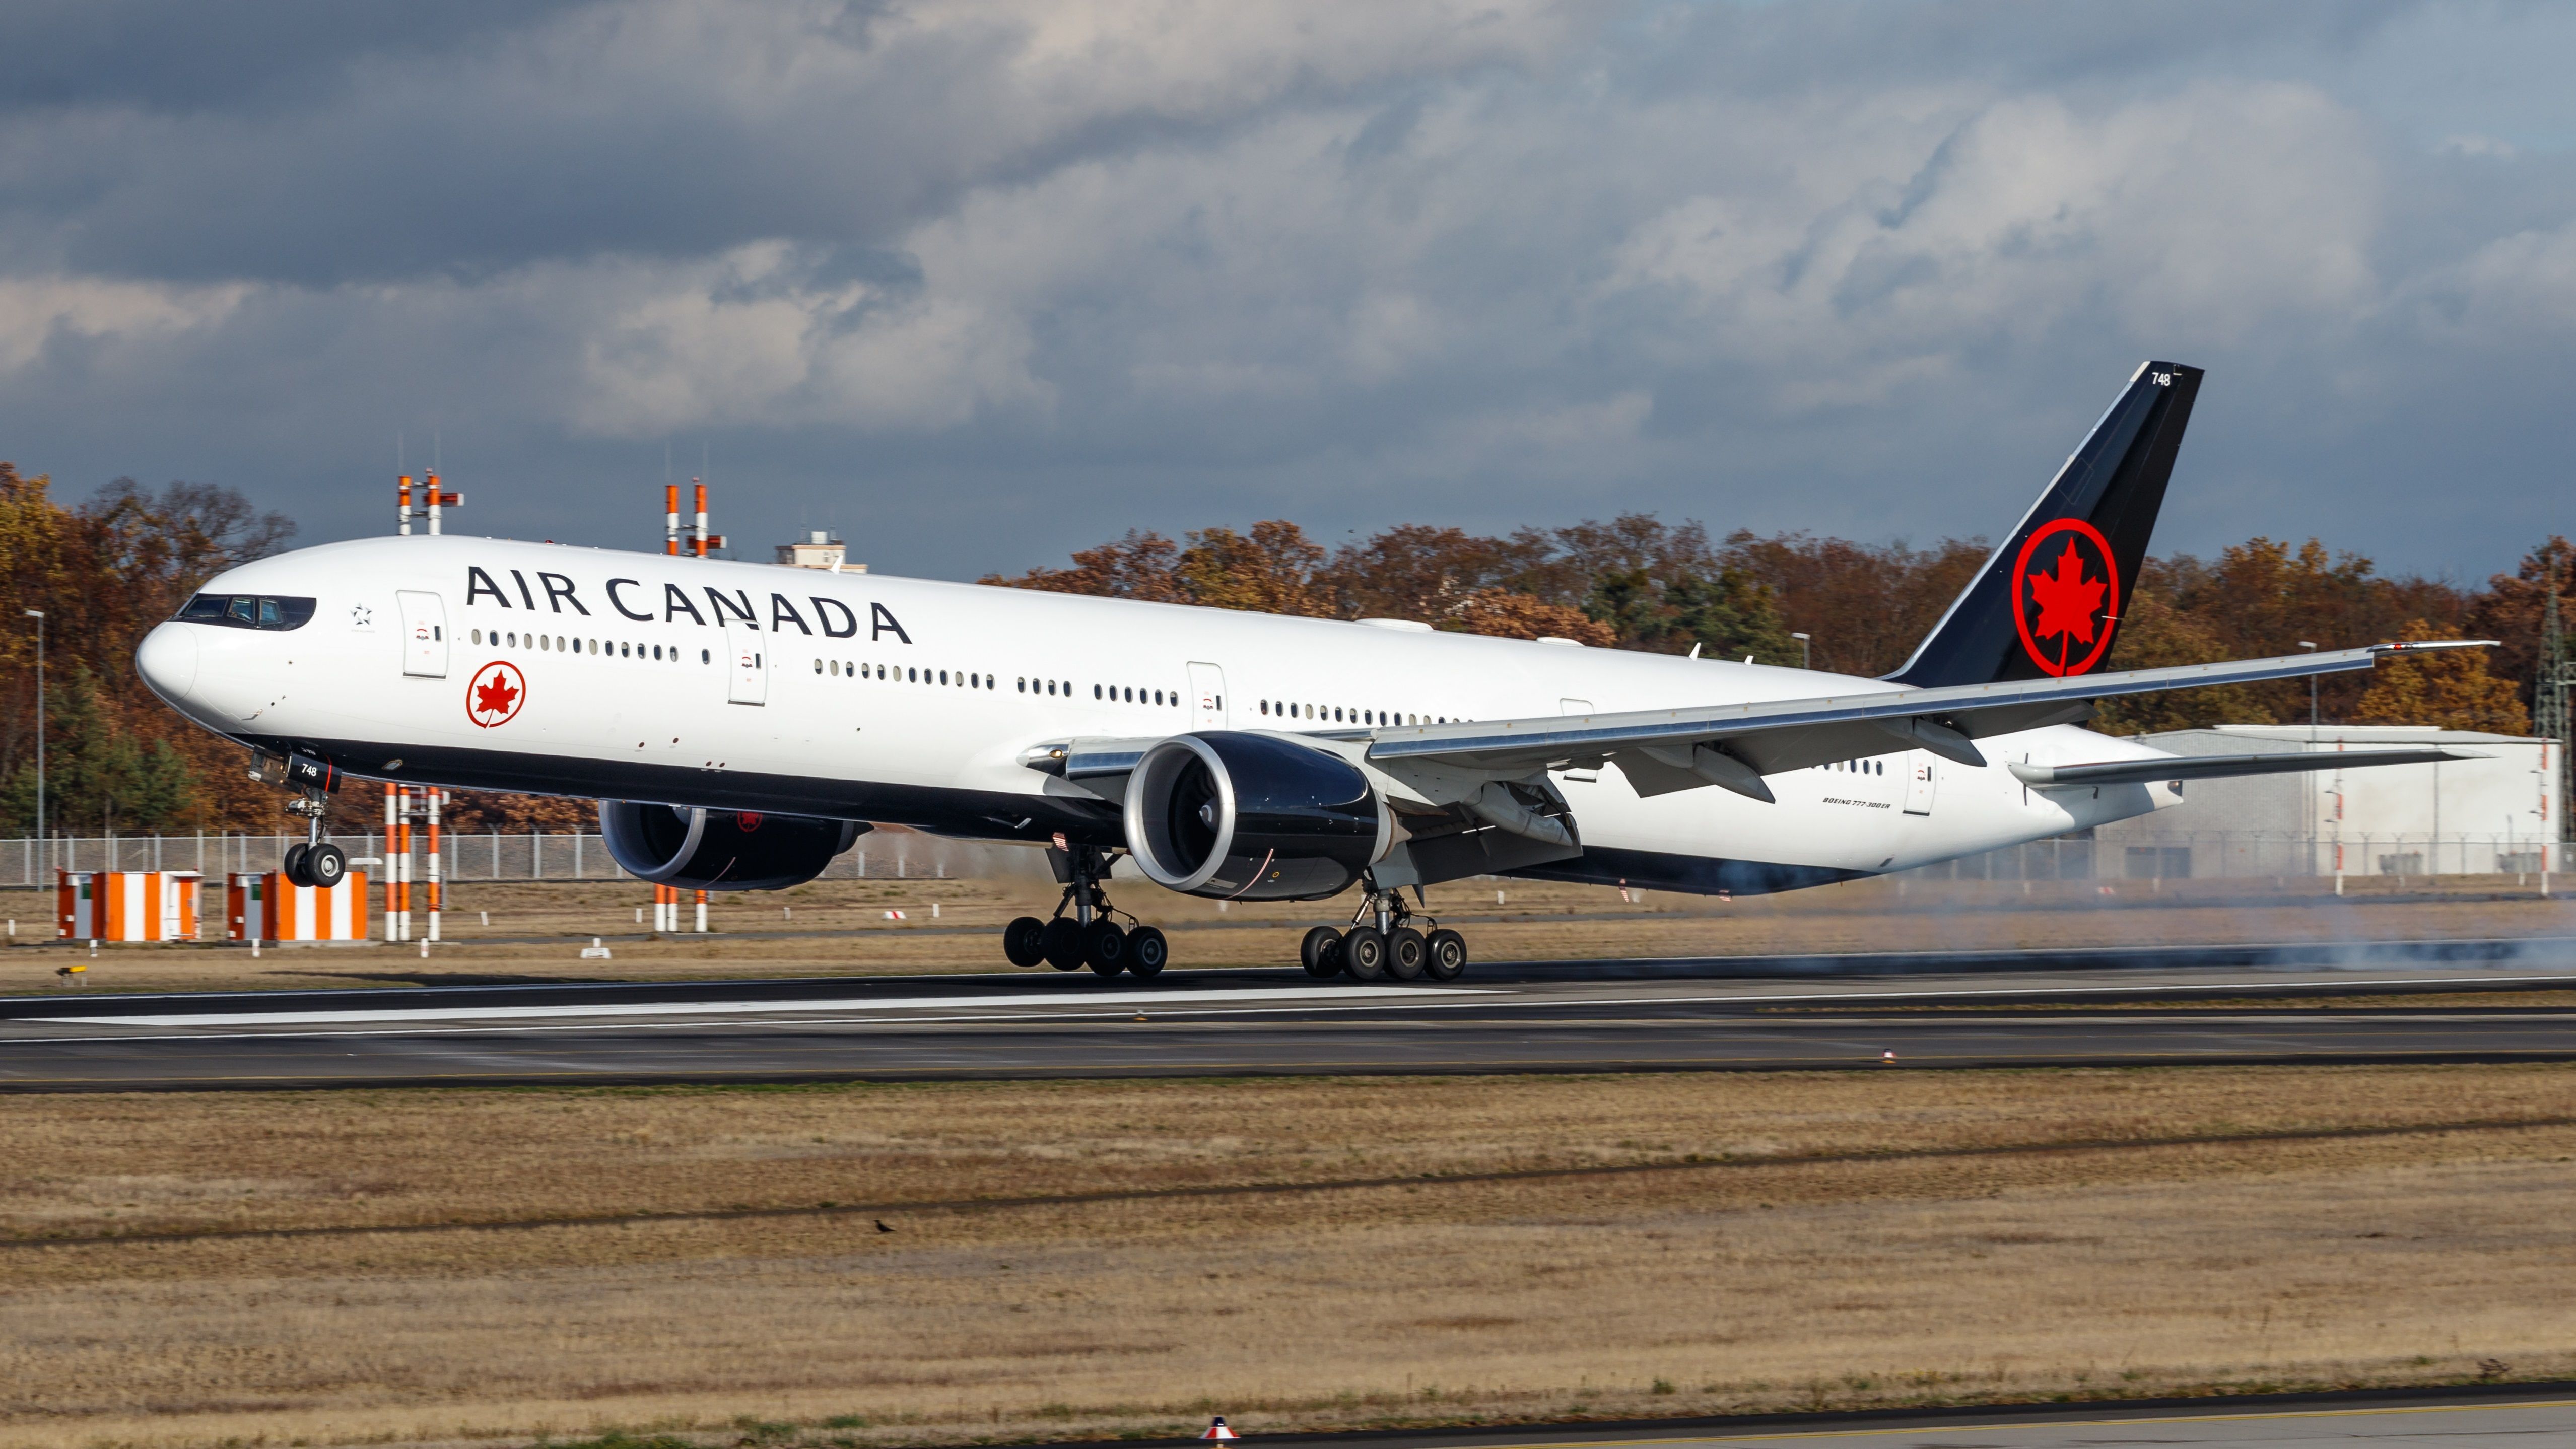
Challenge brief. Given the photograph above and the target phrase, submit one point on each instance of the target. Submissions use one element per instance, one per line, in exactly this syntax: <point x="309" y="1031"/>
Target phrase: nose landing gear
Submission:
<point x="1384" y="942"/>
<point x="313" y="861"/>
<point x="1090" y="936"/>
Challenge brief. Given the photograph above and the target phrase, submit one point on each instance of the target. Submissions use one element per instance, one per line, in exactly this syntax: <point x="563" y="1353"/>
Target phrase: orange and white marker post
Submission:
<point x="1217" y="1429"/>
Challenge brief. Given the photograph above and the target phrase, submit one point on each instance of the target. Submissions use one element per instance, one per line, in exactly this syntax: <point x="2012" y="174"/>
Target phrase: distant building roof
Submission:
<point x="818" y="549"/>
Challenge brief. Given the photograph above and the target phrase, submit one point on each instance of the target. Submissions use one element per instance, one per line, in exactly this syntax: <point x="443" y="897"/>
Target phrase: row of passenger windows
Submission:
<point x="1112" y="693"/>
<point x="558" y="644"/>
<point x="1865" y="767"/>
<point x="898" y="674"/>
<point x="1344" y="714"/>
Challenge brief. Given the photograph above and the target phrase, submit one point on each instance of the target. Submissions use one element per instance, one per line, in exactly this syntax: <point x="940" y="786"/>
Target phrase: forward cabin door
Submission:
<point x="424" y="625"/>
<point x="1207" y="697"/>
<point x="748" y="664"/>
<point x="1919" y="783"/>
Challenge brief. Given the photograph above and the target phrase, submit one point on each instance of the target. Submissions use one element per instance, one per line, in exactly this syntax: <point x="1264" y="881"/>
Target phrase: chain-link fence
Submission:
<point x="879" y="855"/>
<point x="904" y="855"/>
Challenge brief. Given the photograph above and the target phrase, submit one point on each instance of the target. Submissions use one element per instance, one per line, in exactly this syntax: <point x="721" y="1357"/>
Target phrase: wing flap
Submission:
<point x="2219" y="767"/>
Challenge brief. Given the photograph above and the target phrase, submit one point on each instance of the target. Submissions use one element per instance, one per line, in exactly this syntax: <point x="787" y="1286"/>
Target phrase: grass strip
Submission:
<point x="1692" y="1163"/>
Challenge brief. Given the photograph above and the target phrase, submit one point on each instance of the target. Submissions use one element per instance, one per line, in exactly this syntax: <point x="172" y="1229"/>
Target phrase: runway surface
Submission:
<point x="1997" y="1010"/>
<point x="2375" y="1421"/>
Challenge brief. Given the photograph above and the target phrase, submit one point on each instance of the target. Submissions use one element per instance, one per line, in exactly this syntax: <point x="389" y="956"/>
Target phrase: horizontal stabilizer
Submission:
<point x="2219" y="767"/>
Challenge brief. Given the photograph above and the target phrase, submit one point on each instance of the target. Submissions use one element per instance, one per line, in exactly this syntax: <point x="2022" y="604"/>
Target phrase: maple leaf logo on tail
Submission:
<point x="2066" y="599"/>
<point x="2066" y="593"/>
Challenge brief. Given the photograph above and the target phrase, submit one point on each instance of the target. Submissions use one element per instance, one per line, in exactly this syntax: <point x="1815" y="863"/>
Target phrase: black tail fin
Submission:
<point x="2049" y="600"/>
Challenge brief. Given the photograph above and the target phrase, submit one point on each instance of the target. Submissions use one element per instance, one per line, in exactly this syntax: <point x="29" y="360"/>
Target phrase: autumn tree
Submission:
<point x="1865" y="605"/>
<point x="2448" y="688"/>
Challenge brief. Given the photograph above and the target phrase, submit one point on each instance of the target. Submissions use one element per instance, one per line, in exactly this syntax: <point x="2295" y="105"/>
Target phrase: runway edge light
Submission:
<point x="1217" y="1429"/>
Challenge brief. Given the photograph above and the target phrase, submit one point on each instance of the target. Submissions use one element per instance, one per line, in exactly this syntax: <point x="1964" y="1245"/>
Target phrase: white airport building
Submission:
<point x="2467" y="817"/>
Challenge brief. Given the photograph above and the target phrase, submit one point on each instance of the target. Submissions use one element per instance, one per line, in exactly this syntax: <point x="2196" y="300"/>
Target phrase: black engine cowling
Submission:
<point x="720" y="850"/>
<point x="1252" y="818"/>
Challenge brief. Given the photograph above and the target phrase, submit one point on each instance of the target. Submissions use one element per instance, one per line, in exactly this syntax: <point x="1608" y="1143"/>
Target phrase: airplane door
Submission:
<point x="1919" y="783"/>
<point x="749" y="665"/>
<point x="1207" y="696"/>
<point x="424" y="622"/>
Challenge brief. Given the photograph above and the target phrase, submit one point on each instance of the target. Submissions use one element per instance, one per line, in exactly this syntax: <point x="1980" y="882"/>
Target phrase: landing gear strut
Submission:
<point x="1385" y="940"/>
<point x="1090" y="936"/>
<point x="313" y="861"/>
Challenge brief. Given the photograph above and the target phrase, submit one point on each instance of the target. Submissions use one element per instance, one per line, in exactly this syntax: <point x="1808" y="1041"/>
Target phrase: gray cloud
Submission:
<point x="981" y="283"/>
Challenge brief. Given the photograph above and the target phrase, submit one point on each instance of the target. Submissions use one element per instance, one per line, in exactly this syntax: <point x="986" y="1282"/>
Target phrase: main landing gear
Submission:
<point x="1090" y="936"/>
<point x="1384" y="941"/>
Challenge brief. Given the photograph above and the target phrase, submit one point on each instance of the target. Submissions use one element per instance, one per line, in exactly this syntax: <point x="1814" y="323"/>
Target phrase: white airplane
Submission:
<point x="742" y="723"/>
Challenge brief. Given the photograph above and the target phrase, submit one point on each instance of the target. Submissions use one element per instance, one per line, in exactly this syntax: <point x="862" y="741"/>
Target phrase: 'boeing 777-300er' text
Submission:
<point x="742" y="723"/>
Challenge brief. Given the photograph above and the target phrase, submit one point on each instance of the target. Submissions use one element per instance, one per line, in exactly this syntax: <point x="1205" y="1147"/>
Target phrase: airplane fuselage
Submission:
<point x="490" y="664"/>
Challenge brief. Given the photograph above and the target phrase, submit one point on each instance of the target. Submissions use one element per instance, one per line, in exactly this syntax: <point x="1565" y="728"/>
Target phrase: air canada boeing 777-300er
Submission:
<point x="741" y="724"/>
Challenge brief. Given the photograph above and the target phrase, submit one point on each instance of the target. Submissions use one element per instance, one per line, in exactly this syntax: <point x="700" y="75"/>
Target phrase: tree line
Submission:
<point x="1638" y="582"/>
<point x="107" y="568"/>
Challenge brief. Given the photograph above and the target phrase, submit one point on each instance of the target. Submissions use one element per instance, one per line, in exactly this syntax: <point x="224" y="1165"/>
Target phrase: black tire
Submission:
<point x="1063" y="944"/>
<point x="1024" y="941"/>
<point x="292" y="866"/>
<point x="1104" y="948"/>
<point x="325" y="866"/>
<point x="1444" y="956"/>
<point x="1147" y="952"/>
<point x="1404" y="954"/>
<point x="1364" y="953"/>
<point x="1321" y="953"/>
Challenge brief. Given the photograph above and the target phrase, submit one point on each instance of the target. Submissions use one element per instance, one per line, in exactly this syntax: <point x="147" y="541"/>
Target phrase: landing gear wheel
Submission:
<point x="1364" y="953"/>
<point x="1104" y="949"/>
<point x="1063" y="945"/>
<point x="1321" y="953"/>
<point x="292" y="866"/>
<point x="1024" y="941"/>
<point x="1404" y="954"/>
<point x="1444" y="956"/>
<point x="325" y="866"/>
<point x="1146" y="952"/>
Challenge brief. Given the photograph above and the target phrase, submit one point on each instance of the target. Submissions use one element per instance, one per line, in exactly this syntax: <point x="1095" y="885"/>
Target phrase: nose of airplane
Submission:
<point x="167" y="660"/>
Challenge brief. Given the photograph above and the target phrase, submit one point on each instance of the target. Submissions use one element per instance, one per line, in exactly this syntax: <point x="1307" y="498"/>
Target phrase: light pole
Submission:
<point x="2310" y="645"/>
<point x="1806" y="650"/>
<point x="39" y="616"/>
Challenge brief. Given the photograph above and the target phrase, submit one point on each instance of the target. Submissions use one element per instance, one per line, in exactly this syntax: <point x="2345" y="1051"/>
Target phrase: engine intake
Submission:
<point x="720" y="850"/>
<point x="1252" y="818"/>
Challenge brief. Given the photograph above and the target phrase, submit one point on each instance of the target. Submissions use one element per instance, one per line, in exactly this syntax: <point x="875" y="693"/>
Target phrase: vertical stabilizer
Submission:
<point x="2051" y="598"/>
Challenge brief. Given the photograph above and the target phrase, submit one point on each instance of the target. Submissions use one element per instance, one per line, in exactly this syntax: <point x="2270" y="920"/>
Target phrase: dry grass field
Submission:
<point x="534" y="932"/>
<point x="1706" y="1243"/>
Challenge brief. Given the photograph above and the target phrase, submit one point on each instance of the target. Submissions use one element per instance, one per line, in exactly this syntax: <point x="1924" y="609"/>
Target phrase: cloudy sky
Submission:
<point x="977" y="283"/>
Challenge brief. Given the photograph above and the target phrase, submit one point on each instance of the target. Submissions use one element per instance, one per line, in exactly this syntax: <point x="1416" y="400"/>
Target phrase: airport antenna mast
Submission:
<point x="691" y="539"/>
<point x="425" y="508"/>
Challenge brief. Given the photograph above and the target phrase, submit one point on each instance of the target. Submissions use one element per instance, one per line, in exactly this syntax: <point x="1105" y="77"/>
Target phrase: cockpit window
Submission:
<point x="248" y="611"/>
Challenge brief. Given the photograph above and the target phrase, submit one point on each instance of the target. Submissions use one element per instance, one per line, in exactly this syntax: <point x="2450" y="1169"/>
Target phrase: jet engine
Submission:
<point x="720" y="850"/>
<point x="1252" y="818"/>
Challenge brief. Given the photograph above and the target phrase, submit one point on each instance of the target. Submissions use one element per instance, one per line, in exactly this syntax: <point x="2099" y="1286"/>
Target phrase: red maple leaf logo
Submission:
<point x="2066" y="599"/>
<point x="494" y="696"/>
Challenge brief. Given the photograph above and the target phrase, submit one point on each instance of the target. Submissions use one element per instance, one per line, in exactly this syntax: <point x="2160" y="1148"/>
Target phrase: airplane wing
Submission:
<point x="1734" y="745"/>
<point x="2217" y="767"/>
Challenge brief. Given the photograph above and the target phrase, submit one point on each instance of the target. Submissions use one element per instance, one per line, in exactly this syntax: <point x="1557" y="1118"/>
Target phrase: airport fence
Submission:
<point x="907" y="855"/>
<point x="487" y="856"/>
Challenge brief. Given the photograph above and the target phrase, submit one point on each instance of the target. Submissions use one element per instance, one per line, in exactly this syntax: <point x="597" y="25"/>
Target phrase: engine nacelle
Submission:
<point x="720" y="850"/>
<point x="1252" y="818"/>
